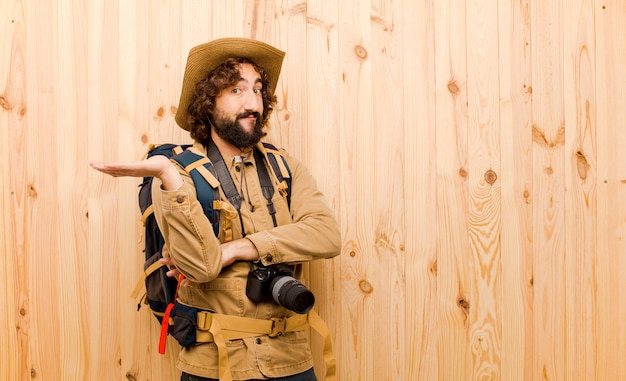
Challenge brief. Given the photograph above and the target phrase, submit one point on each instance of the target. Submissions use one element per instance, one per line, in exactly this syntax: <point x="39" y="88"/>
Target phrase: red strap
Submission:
<point x="165" y="323"/>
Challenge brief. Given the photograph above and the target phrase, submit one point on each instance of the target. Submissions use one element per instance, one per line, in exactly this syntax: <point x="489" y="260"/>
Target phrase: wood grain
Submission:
<point x="548" y="191"/>
<point x="321" y="155"/>
<point x="580" y="103"/>
<point x="484" y="214"/>
<point x="454" y="275"/>
<point x="357" y="311"/>
<point x="382" y="153"/>
<point x="472" y="152"/>
<point x="610" y="333"/>
<point x="15" y="320"/>
<point x="515" y="88"/>
<point x="419" y="220"/>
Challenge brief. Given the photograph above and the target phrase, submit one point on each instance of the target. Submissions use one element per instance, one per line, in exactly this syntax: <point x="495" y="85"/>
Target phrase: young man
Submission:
<point x="227" y="97"/>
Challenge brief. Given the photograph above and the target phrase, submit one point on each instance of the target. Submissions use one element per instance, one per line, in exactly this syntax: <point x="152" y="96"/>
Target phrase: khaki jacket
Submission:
<point x="309" y="231"/>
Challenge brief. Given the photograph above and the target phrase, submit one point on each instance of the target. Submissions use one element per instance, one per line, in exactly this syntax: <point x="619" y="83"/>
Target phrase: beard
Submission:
<point x="233" y="132"/>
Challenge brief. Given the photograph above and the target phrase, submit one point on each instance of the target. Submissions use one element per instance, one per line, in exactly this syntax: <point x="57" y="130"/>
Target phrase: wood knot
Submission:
<point x="464" y="304"/>
<point x="463" y="173"/>
<point x="433" y="267"/>
<point x="490" y="177"/>
<point x="360" y="52"/>
<point x="582" y="165"/>
<point x="540" y="137"/>
<point x="529" y="89"/>
<point x="366" y="287"/>
<point x="4" y="103"/>
<point x="173" y="109"/>
<point x="32" y="192"/>
<point x="160" y="112"/>
<point x="453" y="87"/>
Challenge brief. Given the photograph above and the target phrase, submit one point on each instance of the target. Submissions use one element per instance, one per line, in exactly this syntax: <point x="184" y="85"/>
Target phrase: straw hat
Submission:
<point x="206" y="57"/>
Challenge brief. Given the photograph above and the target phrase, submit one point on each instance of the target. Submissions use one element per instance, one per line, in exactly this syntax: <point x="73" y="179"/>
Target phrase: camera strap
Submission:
<point x="228" y="185"/>
<point x="223" y="176"/>
<point x="266" y="184"/>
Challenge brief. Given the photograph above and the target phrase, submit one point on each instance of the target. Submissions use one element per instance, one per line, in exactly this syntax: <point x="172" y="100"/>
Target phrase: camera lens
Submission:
<point x="291" y="294"/>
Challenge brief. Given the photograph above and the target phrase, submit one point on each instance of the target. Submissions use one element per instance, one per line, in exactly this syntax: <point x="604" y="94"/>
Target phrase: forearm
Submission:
<point x="170" y="178"/>
<point x="188" y="233"/>
<point x="314" y="232"/>
<point x="299" y="242"/>
<point x="238" y="250"/>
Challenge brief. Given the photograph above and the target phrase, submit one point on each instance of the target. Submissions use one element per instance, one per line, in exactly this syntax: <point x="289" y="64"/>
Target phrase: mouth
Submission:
<point x="249" y="116"/>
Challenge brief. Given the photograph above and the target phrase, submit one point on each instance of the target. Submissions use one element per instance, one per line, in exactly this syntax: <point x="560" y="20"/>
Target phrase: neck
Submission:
<point x="228" y="149"/>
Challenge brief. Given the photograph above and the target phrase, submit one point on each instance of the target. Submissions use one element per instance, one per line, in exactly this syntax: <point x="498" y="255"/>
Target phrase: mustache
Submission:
<point x="248" y="114"/>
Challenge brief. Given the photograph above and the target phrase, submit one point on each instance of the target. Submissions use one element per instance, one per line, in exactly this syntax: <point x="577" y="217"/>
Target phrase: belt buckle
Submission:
<point x="278" y="326"/>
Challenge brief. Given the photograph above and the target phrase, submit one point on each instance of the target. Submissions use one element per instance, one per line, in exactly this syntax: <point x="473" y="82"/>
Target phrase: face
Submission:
<point x="239" y="110"/>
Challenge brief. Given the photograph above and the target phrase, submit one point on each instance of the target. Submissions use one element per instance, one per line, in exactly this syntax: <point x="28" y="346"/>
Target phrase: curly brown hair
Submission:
<point x="202" y="105"/>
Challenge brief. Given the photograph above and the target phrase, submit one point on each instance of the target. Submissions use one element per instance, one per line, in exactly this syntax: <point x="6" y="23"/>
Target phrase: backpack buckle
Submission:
<point x="278" y="326"/>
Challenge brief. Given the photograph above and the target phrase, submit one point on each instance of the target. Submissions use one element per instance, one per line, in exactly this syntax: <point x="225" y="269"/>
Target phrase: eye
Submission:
<point x="257" y="91"/>
<point x="236" y="91"/>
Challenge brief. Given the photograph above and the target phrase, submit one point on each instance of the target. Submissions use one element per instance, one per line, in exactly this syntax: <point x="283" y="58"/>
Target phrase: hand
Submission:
<point x="156" y="166"/>
<point x="238" y="250"/>
<point x="175" y="273"/>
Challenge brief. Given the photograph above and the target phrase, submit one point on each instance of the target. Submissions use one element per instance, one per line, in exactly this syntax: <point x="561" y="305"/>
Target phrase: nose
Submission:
<point x="253" y="101"/>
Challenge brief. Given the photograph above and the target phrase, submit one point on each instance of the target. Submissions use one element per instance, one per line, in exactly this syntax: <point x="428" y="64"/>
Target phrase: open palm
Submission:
<point x="156" y="166"/>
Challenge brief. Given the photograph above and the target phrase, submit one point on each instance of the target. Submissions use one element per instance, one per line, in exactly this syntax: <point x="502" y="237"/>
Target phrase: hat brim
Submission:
<point x="206" y="57"/>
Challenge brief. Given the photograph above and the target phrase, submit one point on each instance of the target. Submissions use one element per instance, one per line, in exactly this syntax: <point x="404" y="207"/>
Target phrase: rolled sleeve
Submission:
<point x="193" y="247"/>
<point x="314" y="232"/>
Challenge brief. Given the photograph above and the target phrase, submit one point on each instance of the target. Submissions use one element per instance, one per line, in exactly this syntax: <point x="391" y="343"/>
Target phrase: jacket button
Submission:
<point x="269" y="258"/>
<point x="180" y="198"/>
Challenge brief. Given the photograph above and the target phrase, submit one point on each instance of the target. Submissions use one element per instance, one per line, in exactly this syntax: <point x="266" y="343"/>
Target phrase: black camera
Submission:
<point x="276" y="283"/>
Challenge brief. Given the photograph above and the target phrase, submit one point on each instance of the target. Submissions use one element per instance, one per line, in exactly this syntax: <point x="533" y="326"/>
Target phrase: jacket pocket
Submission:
<point x="224" y="296"/>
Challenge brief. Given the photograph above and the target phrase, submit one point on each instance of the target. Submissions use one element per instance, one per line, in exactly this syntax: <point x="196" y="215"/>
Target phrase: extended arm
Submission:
<point x="156" y="166"/>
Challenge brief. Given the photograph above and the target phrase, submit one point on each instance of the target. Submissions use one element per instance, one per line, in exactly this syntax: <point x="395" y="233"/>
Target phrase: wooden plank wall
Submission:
<point x="473" y="152"/>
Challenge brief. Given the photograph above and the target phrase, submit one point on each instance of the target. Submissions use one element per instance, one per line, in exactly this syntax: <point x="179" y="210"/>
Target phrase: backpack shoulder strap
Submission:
<point x="145" y="196"/>
<point x="281" y="170"/>
<point x="266" y="184"/>
<point x="202" y="173"/>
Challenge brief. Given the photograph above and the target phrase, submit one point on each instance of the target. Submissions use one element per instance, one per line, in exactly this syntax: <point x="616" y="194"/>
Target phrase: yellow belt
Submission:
<point x="217" y="328"/>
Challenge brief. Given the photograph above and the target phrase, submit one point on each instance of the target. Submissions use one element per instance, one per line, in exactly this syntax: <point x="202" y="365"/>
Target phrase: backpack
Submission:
<point x="176" y="319"/>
